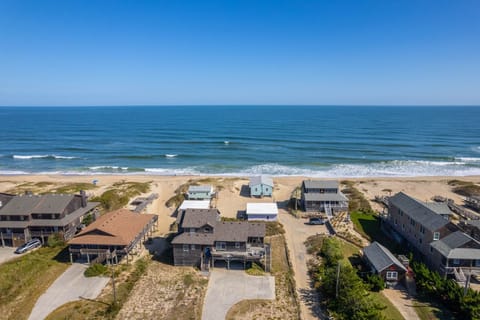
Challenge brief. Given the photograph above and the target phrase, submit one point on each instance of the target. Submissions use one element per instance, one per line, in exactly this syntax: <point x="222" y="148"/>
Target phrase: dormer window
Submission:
<point x="207" y="230"/>
<point x="192" y="230"/>
<point x="436" y="236"/>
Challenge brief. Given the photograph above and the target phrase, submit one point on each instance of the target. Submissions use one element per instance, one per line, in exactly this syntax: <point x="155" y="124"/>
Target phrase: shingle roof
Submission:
<point x="195" y="218"/>
<point x="254" y="181"/>
<point x="451" y="246"/>
<point x="380" y="257"/>
<point x="65" y="220"/>
<point x="475" y="223"/>
<point x="418" y="211"/>
<point x="54" y="203"/>
<point x="21" y="205"/>
<point x="49" y="203"/>
<point x="325" y="196"/>
<point x="231" y="231"/>
<point x="321" y="184"/>
<point x="118" y="227"/>
<point x="4" y="198"/>
<point x="438" y="207"/>
<point x="194" y="238"/>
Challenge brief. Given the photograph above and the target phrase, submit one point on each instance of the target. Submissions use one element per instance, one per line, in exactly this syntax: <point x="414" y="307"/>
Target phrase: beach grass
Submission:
<point x="464" y="188"/>
<point x="45" y="187"/>
<point x="120" y="193"/>
<point x="24" y="279"/>
<point x="357" y="201"/>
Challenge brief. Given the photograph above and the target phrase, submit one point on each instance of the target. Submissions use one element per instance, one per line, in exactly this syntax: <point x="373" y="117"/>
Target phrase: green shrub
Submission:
<point x="96" y="270"/>
<point x="274" y="228"/>
<point x="55" y="240"/>
<point x="376" y="282"/>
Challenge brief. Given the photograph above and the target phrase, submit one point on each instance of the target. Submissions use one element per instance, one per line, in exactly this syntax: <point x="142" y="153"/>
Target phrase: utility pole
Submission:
<point x="338" y="279"/>
<point x="113" y="285"/>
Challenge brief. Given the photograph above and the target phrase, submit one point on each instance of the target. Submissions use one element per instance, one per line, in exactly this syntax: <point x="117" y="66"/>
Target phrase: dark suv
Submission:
<point x="316" y="221"/>
<point x="32" y="244"/>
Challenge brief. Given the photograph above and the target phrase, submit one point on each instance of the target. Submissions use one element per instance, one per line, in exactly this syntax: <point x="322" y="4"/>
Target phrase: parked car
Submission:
<point x="32" y="244"/>
<point x="316" y="221"/>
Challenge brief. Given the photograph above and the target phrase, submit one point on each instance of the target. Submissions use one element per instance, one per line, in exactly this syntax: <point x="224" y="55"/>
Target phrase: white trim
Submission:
<point x="392" y="275"/>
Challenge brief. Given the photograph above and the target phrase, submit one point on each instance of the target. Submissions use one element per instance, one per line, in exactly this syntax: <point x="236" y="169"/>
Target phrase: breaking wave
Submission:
<point x="46" y="156"/>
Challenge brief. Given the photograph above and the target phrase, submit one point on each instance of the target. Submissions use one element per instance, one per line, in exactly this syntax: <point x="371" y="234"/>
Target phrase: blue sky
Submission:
<point x="239" y="52"/>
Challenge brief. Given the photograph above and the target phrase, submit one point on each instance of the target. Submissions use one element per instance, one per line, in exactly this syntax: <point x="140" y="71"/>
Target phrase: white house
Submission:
<point x="262" y="211"/>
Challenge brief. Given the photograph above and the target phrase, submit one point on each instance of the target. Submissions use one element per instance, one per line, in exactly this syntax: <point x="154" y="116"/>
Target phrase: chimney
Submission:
<point x="84" y="198"/>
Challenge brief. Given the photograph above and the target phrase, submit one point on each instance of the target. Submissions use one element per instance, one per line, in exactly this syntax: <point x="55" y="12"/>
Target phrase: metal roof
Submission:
<point x="451" y="246"/>
<point x="321" y="184"/>
<point x="325" y="196"/>
<point x="195" y="204"/>
<point x="418" y="211"/>
<point x="202" y="188"/>
<point x="254" y="181"/>
<point x="380" y="257"/>
<point x="262" y="208"/>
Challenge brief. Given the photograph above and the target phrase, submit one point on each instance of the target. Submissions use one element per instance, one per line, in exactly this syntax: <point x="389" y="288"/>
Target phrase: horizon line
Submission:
<point x="238" y="105"/>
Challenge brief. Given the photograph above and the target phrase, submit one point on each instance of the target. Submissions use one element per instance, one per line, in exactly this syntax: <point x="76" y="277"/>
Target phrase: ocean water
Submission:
<point x="317" y="141"/>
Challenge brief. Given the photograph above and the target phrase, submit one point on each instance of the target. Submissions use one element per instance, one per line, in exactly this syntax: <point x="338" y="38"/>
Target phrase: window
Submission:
<point x="192" y="230"/>
<point x="396" y="222"/>
<point x="206" y="229"/>
<point x="221" y="246"/>
<point x="422" y="229"/>
<point x="456" y="262"/>
<point x="401" y="212"/>
<point x="392" y="275"/>
<point x="431" y="249"/>
<point x="185" y="247"/>
<point x="420" y="240"/>
<point x="237" y="245"/>
<point x="412" y="222"/>
<point x="477" y="263"/>
<point x="192" y="247"/>
<point x="436" y="235"/>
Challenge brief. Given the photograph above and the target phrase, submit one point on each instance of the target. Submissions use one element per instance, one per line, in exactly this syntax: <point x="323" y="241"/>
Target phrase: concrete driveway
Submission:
<point x="227" y="287"/>
<point x="70" y="286"/>
<point x="6" y="253"/>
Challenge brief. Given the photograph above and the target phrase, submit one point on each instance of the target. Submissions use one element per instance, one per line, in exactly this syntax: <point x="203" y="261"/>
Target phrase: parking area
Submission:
<point x="70" y="286"/>
<point x="6" y="253"/>
<point x="227" y="287"/>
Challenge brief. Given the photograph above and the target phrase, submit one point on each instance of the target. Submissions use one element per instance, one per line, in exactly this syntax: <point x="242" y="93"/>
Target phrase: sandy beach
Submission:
<point x="232" y="197"/>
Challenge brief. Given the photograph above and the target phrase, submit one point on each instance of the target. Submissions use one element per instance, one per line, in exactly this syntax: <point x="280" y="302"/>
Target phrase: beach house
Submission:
<point x="382" y="262"/>
<point x="262" y="211"/>
<point x="426" y="227"/>
<point x="323" y="196"/>
<point x="261" y="186"/>
<point x="202" y="192"/>
<point x="23" y="217"/>
<point x="203" y="239"/>
<point x="112" y="236"/>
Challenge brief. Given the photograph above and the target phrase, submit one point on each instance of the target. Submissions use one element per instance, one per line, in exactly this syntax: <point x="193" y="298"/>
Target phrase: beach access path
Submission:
<point x="296" y="232"/>
<point x="70" y="286"/>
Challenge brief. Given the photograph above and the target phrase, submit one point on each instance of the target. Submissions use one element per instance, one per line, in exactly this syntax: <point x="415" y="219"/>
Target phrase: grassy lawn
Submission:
<point x="24" y="279"/>
<point x="430" y="311"/>
<point x="390" y="311"/>
<point x="368" y="225"/>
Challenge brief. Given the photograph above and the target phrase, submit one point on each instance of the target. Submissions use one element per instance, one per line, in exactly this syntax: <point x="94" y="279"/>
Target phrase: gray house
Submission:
<point x="455" y="253"/>
<point x="203" y="192"/>
<point x="261" y="186"/>
<point x="384" y="263"/>
<point x="23" y="217"/>
<point x="419" y="222"/>
<point x="203" y="239"/>
<point x="323" y="196"/>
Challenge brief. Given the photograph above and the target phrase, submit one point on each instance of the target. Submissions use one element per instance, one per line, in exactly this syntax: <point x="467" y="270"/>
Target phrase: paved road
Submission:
<point x="296" y="232"/>
<point x="227" y="287"/>
<point x="6" y="254"/>
<point x="70" y="286"/>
